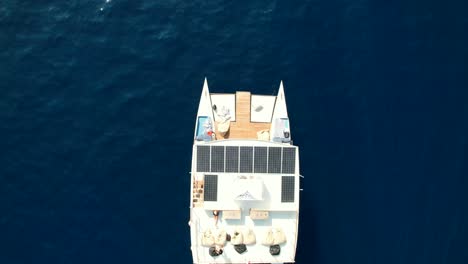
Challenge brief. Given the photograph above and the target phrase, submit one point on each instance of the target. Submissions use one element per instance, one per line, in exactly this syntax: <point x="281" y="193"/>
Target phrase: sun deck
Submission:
<point x="243" y="127"/>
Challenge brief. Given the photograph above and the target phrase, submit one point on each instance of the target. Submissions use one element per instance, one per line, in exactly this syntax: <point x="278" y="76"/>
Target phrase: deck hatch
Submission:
<point x="287" y="189"/>
<point x="245" y="159"/>
<point x="203" y="158"/>
<point x="289" y="160"/>
<point x="211" y="188"/>
<point x="274" y="160"/>
<point x="217" y="159"/>
<point x="232" y="159"/>
<point x="260" y="159"/>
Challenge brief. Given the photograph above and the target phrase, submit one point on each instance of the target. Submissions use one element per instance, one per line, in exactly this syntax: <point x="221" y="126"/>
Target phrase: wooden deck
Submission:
<point x="242" y="128"/>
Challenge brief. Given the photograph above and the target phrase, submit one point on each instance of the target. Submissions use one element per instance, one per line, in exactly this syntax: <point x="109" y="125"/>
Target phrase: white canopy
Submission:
<point x="248" y="189"/>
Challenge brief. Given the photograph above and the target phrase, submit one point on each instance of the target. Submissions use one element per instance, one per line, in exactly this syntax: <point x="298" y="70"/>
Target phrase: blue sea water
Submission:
<point x="98" y="103"/>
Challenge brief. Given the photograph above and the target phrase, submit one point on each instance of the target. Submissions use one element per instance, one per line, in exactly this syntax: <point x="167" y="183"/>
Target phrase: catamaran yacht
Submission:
<point x="244" y="198"/>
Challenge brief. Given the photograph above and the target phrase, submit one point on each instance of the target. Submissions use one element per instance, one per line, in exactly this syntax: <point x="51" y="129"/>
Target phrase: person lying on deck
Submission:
<point x="216" y="216"/>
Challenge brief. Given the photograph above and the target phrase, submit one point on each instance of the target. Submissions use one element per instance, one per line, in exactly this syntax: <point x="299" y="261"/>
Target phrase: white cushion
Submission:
<point x="274" y="236"/>
<point x="237" y="238"/>
<point x="208" y="239"/>
<point x="279" y="236"/>
<point x="223" y="127"/>
<point x="269" y="239"/>
<point x="220" y="238"/>
<point x="249" y="236"/>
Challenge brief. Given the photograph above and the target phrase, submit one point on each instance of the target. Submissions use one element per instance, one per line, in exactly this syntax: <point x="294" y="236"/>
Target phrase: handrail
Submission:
<point x="191" y="188"/>
<point x="196" y="241"/>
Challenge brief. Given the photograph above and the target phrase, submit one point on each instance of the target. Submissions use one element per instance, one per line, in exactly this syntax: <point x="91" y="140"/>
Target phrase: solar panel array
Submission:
<point x="287" y="189"/>
<point x="246" y="159"/>
<point x="211" y="188"/>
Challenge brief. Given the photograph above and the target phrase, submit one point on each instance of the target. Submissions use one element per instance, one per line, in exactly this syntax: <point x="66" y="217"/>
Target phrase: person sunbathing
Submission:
<point x="216" y="216"/>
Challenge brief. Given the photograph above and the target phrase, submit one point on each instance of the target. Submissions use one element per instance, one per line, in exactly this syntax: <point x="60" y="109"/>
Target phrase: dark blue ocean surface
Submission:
<point x="97" y="112"/>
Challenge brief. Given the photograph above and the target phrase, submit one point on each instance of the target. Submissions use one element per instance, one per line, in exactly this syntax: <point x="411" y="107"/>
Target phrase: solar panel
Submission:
<point x="217" y="159"/>
<point x="211" y="188"/>
<point x="232" y="159"/>
<point x="289" y="160"/>
<point x="246" y="159"/>
<point x="274" y="160"/>
<point x="287" y="189"/>
<point x="260" y="159"/>
<point x="246" y="156"/>
<point x="203" y="158"/>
